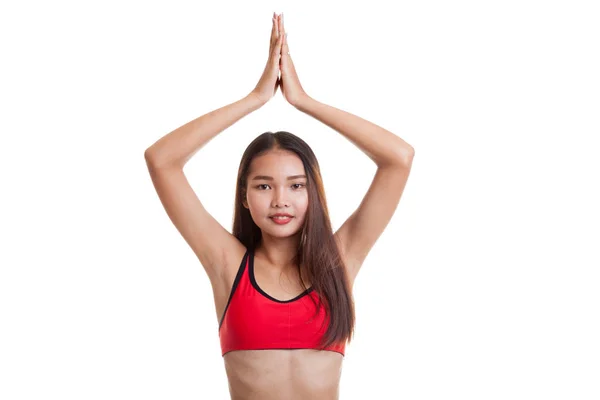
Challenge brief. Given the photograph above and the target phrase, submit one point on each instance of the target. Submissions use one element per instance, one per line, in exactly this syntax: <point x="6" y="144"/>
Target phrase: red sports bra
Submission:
<point x="253" y="320"/>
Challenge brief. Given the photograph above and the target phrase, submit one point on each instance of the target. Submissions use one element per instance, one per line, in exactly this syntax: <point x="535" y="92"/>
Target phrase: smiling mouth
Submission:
<point x="281" y="220"/>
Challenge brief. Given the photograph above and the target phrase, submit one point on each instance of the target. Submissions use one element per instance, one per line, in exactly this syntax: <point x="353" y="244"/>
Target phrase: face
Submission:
<point x="277" y="184"/>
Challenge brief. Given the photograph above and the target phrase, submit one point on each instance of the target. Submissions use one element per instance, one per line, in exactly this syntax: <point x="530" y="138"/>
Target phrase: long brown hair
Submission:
<point x="318" y="254"/>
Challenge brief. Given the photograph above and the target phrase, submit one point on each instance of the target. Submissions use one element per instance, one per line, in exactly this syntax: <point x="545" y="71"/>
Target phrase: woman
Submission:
<point x="282" y="282"/>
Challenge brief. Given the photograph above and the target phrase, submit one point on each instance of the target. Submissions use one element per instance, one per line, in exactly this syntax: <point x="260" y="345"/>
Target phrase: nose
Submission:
<point x="279" y="198"/>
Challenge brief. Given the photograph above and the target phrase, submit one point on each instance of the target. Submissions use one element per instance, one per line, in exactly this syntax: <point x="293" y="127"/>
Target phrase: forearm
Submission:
<point x="177" y="147"/>
<point x="380" y="145"/>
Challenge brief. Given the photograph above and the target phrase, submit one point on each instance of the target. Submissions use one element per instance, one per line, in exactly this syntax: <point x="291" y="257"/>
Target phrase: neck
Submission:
<point x="278" y="253"/>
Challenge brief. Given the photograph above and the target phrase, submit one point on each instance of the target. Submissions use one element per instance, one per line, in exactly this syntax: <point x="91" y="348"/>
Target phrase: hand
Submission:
<point x="290" y="84"/>
<point x="269" y="81"/>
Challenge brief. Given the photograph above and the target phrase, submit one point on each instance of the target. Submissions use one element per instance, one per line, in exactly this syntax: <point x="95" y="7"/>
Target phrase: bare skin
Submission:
<point x="276" y="374"/>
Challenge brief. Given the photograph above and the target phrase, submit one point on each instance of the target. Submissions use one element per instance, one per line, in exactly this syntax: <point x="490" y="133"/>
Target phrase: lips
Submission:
<point x="280" y="215"/>
<point x="281" y="219"/>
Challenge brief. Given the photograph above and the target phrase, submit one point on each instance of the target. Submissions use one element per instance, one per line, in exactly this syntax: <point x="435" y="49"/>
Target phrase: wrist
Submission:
<point x="302" y="101"/>
<point x="255" y="99"/>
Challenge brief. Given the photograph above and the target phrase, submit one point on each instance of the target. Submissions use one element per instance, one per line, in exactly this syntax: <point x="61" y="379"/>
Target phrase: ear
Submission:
<point x="244" y="201"/>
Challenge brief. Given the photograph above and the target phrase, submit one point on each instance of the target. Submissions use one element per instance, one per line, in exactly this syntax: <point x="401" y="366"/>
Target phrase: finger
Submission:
<point x="273" y="31"/>
<point x="284" y="49"/>
<point x="276" y="53"/>
<point x="273" y="28"/>
<point x="280" y="25"/>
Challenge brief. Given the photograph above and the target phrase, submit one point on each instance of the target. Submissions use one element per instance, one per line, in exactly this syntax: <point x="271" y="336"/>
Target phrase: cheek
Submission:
<point x="303" y="203"/>
<point x="301" y="206"/>
<point x="258" y="204"/>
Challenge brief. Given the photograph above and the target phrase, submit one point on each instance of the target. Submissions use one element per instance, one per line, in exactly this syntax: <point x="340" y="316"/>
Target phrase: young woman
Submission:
<point x="282" y="281"/>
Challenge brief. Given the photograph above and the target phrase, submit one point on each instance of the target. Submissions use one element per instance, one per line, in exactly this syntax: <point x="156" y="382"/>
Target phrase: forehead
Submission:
<point x="277" y="163"/>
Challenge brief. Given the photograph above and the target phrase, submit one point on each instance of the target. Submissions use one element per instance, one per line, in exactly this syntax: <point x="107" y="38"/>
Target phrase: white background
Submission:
<point x="484" y="284"/>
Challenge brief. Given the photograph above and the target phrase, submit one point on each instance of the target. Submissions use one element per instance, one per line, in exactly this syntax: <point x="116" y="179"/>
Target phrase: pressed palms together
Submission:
<point x="279" y="61"/>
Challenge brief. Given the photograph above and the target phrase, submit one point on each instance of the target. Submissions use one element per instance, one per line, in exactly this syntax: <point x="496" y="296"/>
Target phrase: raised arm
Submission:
<point x="392" y="155"/>
<point x="167" y="157"/>
<point x="380" y="145"/>
<point x="177" y="147"/>
<point x="212" y="244"/>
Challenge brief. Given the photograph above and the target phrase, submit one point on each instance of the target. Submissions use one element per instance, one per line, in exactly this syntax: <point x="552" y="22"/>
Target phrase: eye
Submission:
<point x="295" y="184"/>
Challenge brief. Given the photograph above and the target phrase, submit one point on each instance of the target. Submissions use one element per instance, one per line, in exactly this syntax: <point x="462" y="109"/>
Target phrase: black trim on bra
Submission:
<point x="255" y="284"/>
<point x="238" y="277"/>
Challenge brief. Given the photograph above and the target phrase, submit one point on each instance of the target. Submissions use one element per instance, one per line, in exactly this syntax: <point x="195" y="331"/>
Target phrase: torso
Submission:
<point x="276" y="374"/>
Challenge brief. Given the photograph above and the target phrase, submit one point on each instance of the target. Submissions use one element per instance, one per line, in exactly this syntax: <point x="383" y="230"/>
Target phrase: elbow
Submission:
<point x="152" y="160"/>
<point x="405" y="155"/>
<point x="411" y="154"/>
<point x="149" y="156"/>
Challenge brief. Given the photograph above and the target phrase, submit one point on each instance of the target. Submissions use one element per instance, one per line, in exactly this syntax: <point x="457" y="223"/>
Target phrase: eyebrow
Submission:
<point x="270" y="178"/>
